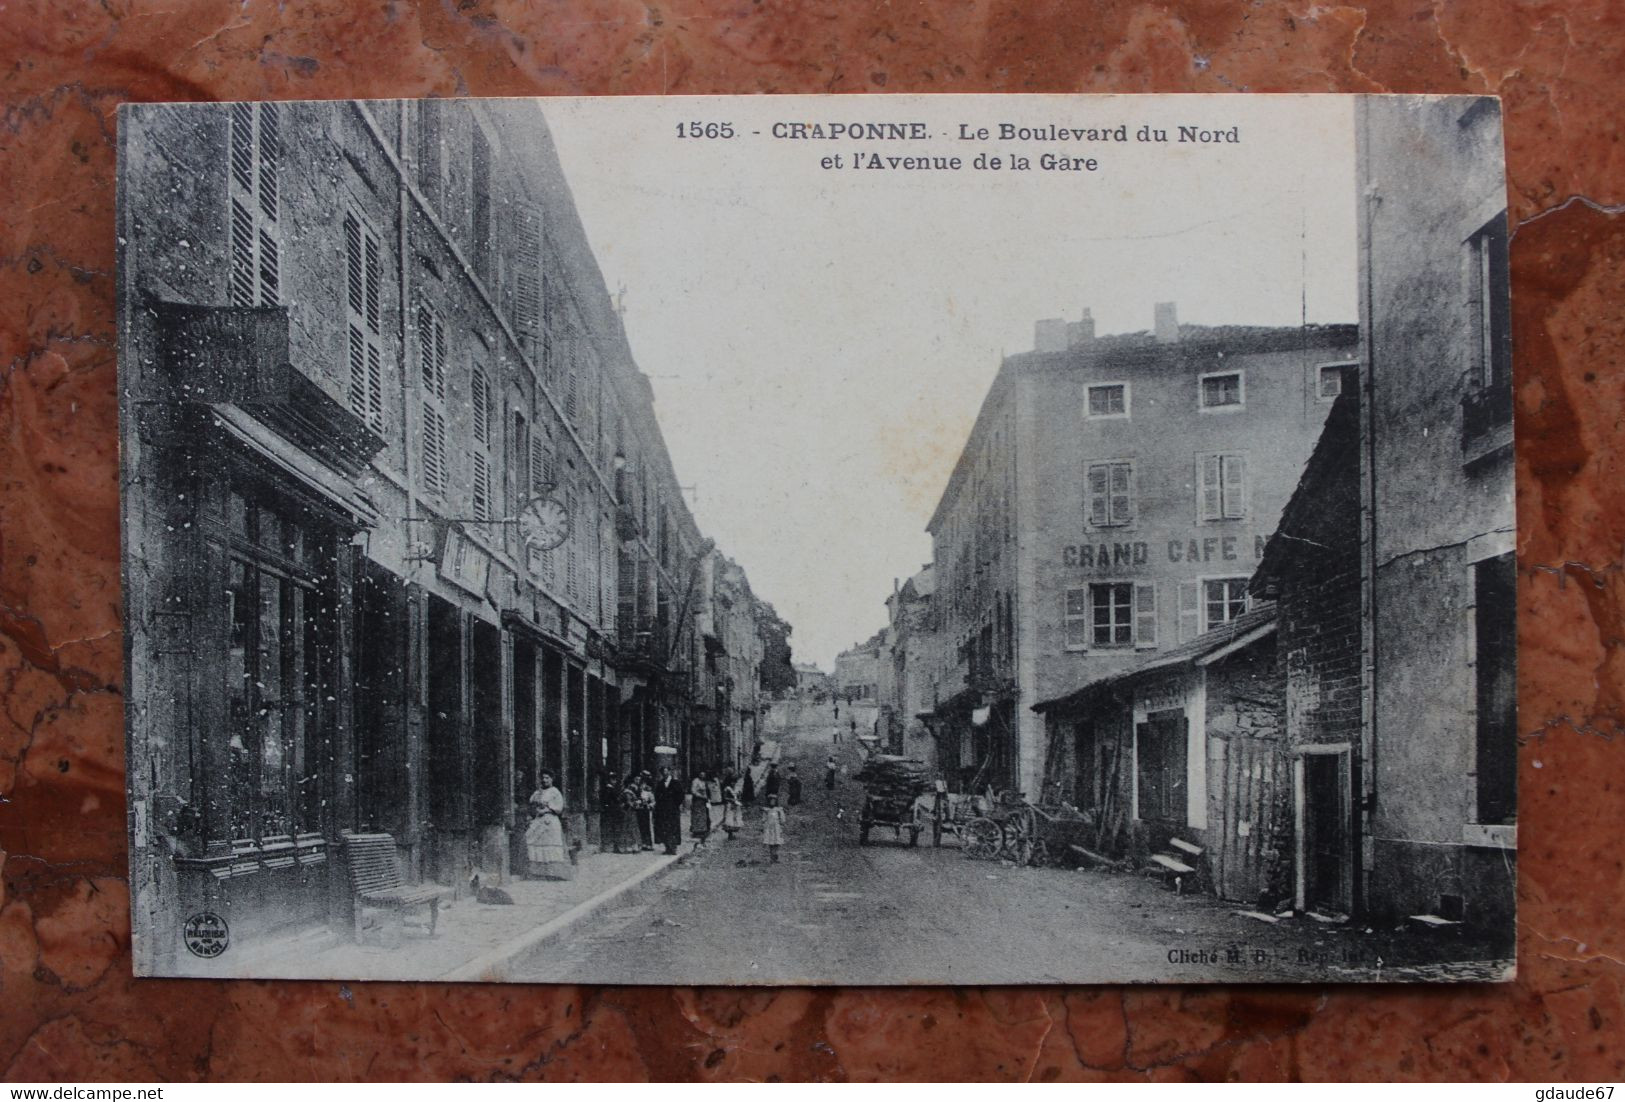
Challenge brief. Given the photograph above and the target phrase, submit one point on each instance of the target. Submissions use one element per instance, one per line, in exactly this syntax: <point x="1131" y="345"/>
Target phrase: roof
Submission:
<point x="1255" y="623"/>
<point x="1335" y="456"/>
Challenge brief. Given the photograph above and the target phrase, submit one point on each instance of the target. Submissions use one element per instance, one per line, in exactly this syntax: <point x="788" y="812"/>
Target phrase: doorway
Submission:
<point x="1325" y="866"/>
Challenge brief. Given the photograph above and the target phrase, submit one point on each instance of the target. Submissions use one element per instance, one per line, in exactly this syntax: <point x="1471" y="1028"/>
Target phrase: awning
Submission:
<point x="243" y="429"/>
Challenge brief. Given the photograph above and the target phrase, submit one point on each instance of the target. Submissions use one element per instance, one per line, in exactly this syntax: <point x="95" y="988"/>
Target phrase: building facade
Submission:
<point x="408" y="533"/>
<point x="1439" y="531"/>
<point x="907" y="693"/>
<point x="857" y="670"/>
<point x="1112" y="501"/>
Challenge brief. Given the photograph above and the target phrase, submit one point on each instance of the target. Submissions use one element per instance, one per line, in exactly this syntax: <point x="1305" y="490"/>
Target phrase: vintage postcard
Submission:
<point x="881" y="540"/>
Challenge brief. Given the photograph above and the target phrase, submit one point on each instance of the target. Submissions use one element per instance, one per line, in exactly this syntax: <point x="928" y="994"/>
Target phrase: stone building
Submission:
<point x="907" y="694"/>
<point x="857" y="670"/>
<point x="404" y="530"/>
<point x="1439" y="529"/>
<point x="1112" y="501"/>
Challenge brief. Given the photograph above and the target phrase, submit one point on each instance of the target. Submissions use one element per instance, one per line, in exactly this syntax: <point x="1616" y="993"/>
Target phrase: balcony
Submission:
<point x="239" y="356"/>
<point x="1486" y="422"/>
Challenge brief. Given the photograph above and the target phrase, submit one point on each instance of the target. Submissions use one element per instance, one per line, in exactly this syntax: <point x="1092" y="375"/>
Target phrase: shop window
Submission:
<point x="1496" y="670"/>
<point x="1160" y="766"/>
<point x="1222" y="390"/>
<point x="1223" y="599"/>
<point x="277" y="643"/>
<point x="363" y="280"/>
<point x="1107" y="400"/>
<point x="256" y="156"/>
<point x="1111" y="494"/>
<point x="1221" y="487"/>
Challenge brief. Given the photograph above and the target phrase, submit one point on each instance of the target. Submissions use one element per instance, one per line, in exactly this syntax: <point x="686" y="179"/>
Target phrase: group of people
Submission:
<point x="641" y="811"/>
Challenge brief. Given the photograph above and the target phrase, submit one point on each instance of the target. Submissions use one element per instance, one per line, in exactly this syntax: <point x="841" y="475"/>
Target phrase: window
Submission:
<point x="256" y="155"/>
<point x="1495" y="668"/>
<point x="431" y="151"/>
<point x="1111" y="494"/>
<point x="363" y="279"/>
<point x="1490" y="305"/>
<point x="432" y="360"/>
<point x="528" y="282"/>
<point x="480" y="447"/>
<point x="1222" y="390"/>
<point x="277" y="648"/>
<point x="1223" y="599"/>
<point x="1329" y="380"/>
<point x="1111" y="614"/>
<point x="1221" y="487"/>
<point x="480" y="208"/>
<point x="1107" y="400"/>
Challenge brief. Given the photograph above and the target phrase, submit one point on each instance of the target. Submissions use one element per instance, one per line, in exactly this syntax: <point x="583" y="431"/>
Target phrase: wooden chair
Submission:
<point x="375" y="879"/>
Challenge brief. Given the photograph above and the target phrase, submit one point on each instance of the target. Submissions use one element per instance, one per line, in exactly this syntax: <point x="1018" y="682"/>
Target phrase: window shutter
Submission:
<point x="358" y="372"/>
<point x="1099" y="496"/>
<point x="480" y="400"/>
<point x="1209" y="487"/>
<point x="1122" y="496"/>
<point x="270" y="150"/>
<point x="242" y="255"/>
<point x="375" y="386"/>
<point x="354" y="268"/>
<point x="374" y="283"/>
<point x="482" y="487"/>
<point x="538" y="462"/>
<point x="1190" y="610"/>
<point x="1145" y="615"/>
<point x="242" y="145"/>
<point x="1077" y="619"/>
<point x="1235" y="486"/>
<point x="434" y="449"/>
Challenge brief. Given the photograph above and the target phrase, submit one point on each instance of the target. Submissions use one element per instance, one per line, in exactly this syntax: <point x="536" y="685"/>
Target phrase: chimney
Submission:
<point x="1049" y="335"/>
<point x="1167" y="324"/>
<point x="1081" y="331"/>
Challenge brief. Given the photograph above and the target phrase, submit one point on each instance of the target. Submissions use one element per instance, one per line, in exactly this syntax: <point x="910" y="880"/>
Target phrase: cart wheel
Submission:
<point x="983" y="839"/>
<point x="1022" y="851"/>
<point x="1040" y="855"/>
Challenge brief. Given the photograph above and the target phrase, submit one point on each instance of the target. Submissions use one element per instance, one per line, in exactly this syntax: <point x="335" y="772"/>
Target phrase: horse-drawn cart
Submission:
<point x="891" y="787"/>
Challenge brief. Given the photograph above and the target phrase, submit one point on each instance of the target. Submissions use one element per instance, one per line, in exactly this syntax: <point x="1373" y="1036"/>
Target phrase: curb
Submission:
<point x="491" y="967"/>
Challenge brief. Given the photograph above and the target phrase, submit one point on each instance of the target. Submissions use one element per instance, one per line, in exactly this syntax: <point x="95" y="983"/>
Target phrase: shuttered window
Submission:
<point x="1111" y="494"/>
<point x="363" y="279"/>
<point x="255" y="156"/>
<point x="479" y="402"/>
<point x="528" y="281"/>
<point x="432" y="365"/>
<point x="1190" y="610"/>
<point x="1221" y="487"/>
<point x="1110" y="614"/>
<point x="1145" y="615"/>
<point x="1223" y="599"/>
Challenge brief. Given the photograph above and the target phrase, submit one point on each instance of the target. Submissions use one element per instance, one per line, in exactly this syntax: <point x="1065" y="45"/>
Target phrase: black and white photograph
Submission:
<point x="819" y="539"/>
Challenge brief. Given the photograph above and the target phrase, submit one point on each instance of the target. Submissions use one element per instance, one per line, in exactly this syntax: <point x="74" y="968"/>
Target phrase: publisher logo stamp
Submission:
<point x="206" y="934"/>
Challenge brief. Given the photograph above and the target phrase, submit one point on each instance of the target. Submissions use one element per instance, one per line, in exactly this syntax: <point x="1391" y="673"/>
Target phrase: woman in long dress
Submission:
<point x="699" y="810"/>
<point x="732" y="820"/>
<point x="544" y="837"/>
<point x="773" y="828"/>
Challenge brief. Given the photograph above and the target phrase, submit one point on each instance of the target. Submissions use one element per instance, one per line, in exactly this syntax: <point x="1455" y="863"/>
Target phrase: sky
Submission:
<point x="819" y="340"/>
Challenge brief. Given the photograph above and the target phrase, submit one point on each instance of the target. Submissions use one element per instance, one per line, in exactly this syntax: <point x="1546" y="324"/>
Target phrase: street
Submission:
<point x="835" y="912"/>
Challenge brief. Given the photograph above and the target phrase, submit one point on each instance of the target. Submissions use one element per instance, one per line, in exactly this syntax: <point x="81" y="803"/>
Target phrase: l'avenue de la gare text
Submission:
<point x="870" y="160"/>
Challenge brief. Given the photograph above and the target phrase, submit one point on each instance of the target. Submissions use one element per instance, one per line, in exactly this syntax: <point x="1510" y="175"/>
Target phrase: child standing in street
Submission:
<point x="773" y="828"/>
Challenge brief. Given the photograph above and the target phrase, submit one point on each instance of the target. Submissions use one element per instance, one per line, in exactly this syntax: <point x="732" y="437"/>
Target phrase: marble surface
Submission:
<point x="68" y="1007"/>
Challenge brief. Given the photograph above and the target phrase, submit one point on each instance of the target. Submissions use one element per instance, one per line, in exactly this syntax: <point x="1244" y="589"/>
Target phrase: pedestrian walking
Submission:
<point x="773" y="828"/>
<point x="835" y="734"/>
<point x="829" y="773"/>
<point x="713" y="798"/>
<point x="668" y="810"/>
<point x="545" y="854"/>
<point x="699" y="811"/>
<point x="770" y="785"/>
<point x="792" y="787"/>
<point x="732" y="815"/>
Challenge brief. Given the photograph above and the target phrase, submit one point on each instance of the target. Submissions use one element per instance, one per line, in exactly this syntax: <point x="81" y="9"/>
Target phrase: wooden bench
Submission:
<point x="375" y="879"/>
